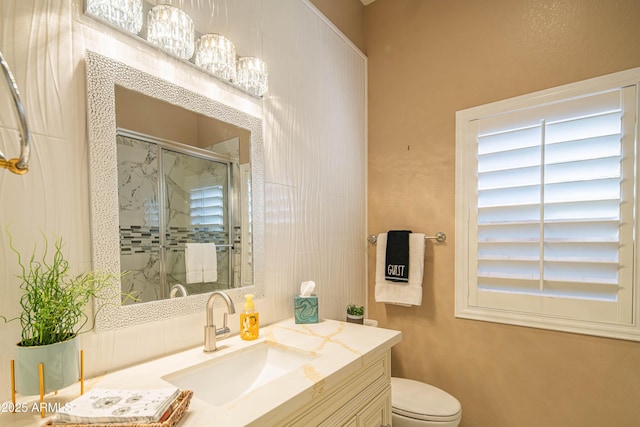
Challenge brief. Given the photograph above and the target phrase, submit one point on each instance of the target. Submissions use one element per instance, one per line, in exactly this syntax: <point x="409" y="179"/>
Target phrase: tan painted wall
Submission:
<point x="428" y="59"/>
<point x="347" y="15"/>
<point x="157" y="118"/>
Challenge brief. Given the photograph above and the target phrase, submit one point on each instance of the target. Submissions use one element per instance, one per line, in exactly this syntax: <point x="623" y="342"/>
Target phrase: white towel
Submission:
<point x="118" y="406"/>
<point x="201" y="262"/>
<point x="193" y="262"/>
<point x="209" y="262"/>
<point x="406" y="294"/>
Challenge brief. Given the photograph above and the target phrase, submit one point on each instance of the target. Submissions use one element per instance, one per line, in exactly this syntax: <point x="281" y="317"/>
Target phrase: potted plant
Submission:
<point x="355" y="313"/>
<point x="53" y="313"/>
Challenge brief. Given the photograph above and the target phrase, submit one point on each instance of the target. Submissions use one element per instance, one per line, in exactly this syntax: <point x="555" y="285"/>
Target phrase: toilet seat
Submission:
<point x="420" y="401"/>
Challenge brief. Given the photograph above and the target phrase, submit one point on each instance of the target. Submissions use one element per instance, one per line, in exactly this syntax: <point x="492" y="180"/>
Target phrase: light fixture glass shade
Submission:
<point x="171" y="30"/>
<point x="252" y="75"/>
<point x="216" y="54"/>
<point x="126" y="14"/>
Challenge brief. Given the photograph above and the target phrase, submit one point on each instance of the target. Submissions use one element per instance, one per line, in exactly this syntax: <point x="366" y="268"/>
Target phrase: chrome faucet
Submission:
<point x="178" y="288"/>
<point x="210" y="331"/>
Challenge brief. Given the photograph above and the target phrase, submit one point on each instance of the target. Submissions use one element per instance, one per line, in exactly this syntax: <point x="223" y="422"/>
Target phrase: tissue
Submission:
<point x="306" y="304"/>
<point x="306" y="288"/>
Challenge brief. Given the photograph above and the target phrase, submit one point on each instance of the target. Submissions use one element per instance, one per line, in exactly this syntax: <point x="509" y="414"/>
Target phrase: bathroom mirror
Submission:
<point x="184" y="183"/>
<point x="228" y="161"/>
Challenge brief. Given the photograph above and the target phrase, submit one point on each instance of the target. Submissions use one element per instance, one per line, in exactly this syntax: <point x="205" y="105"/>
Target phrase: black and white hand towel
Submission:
<point x="397" y="256"/>
<point x="405" y="294"/>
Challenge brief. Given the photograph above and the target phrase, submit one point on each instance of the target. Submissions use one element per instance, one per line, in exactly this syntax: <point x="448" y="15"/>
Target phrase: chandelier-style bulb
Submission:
<point x="216" y="54"/>
<point x="125" y="14"/>
<point x="171" y="30"/>
<point x="252" y="75"/>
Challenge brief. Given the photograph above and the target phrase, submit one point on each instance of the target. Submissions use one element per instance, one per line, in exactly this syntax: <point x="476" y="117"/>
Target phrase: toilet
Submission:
<point x="416" y="404"/>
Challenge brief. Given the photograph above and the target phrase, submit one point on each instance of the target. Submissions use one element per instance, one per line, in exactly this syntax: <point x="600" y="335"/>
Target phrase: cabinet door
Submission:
<point x="351" y="422"/>
<point x="378" y="412"/>
<point x="344" y="405"/>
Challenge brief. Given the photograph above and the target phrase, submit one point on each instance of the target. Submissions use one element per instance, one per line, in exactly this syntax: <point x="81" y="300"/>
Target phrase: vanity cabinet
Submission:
<point x="344" y="379"/>
<point x="361" y="400"/>
<point x="376" y="414"/>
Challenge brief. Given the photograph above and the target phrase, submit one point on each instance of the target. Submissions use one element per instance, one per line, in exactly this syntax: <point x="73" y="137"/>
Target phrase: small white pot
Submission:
<point x="355" y="319"/>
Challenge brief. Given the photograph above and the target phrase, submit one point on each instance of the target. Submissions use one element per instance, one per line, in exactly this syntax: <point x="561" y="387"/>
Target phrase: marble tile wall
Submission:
<point x="140" y="245"/>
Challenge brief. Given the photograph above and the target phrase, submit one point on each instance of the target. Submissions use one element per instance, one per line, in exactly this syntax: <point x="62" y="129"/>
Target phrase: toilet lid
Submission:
<point x="422" y="401"/>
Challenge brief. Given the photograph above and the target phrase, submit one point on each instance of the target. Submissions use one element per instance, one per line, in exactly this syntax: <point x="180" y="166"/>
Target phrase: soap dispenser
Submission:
<point x="249" y="320"/>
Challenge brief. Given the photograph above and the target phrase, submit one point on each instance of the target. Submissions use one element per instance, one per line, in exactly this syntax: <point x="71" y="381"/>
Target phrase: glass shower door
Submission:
<point x="139" y="222"/>
<point x="197" y="211"/>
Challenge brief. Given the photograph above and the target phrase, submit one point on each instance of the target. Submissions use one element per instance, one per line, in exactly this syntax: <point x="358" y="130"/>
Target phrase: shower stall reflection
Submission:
<point x="171" y="195"/>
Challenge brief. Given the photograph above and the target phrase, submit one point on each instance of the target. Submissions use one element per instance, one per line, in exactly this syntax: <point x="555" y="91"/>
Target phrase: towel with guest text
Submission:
<point x="397" y="256"/>
<point x="400" y="293"/>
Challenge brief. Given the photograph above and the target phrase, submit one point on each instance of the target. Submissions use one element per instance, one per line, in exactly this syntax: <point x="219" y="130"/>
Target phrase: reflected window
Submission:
<point x="207" y="206"/>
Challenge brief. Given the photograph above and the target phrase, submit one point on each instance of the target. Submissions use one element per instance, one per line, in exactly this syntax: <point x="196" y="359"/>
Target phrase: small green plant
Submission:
<point x="54" y="302"/>
<point x="355" y="310"/>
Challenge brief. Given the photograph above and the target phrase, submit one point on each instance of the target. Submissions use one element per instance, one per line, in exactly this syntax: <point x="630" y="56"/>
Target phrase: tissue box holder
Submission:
<point x="306" y="309"/>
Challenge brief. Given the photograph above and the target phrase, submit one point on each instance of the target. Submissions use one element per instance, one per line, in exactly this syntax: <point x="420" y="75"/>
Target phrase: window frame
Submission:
<point x="465" y="229"/>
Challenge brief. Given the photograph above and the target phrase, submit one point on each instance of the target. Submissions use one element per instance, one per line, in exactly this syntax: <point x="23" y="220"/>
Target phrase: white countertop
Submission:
<point x="339" y="349"/>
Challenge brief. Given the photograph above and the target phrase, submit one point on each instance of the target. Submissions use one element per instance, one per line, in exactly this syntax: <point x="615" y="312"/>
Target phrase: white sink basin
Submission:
<point x="233" y="375"/>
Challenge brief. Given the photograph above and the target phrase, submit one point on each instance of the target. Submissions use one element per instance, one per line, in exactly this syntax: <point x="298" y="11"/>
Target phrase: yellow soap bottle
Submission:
<point x="249" y="320"/>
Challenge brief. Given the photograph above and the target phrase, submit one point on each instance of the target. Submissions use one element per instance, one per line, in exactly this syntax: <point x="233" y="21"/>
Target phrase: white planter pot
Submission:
<point x="355" y="319"/>
<point x="61" y="366"/>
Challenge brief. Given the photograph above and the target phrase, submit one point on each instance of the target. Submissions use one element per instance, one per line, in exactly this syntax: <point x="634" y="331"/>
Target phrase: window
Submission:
<point x="207" y="207"/>
<point x="545" y="209"/>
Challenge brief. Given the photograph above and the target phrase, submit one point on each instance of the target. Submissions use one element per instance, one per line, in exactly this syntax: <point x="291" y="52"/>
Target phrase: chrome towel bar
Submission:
<point x="439" y="237"/>
<point x="21" y="165"/>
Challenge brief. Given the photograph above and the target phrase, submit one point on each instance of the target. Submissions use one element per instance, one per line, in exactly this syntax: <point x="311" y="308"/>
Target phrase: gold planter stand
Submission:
<point x="41" y="375"/>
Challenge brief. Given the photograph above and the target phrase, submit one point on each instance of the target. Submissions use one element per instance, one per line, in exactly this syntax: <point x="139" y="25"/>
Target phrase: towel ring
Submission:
<point x="20" y="165"/>
<point x="439" y="237"/>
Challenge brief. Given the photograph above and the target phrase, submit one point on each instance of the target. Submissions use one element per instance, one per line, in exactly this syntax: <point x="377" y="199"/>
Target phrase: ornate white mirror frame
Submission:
<point x="103" y="74"/>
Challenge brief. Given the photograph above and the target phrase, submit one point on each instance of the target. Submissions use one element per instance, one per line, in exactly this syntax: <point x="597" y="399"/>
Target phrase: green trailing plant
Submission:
<point x="355" y="310"/>
<point x="54" y="302"/>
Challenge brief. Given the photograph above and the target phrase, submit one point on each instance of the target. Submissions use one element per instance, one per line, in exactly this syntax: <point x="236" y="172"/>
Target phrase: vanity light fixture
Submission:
<point x="252" y="75"/>
<point x="216" y="54"/>
<point x="125" y="14"/>
<point x="172" y="30"/>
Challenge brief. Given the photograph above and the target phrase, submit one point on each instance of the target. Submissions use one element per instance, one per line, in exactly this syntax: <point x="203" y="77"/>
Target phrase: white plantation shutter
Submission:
<point x="207" y="206"/>
<point x="550" y="210"/>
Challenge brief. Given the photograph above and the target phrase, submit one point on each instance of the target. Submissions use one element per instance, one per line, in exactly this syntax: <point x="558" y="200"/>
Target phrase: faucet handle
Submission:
<point x="210" y="330"/>
<point x="225" y="330"/>
<point x="211" y="333"/>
